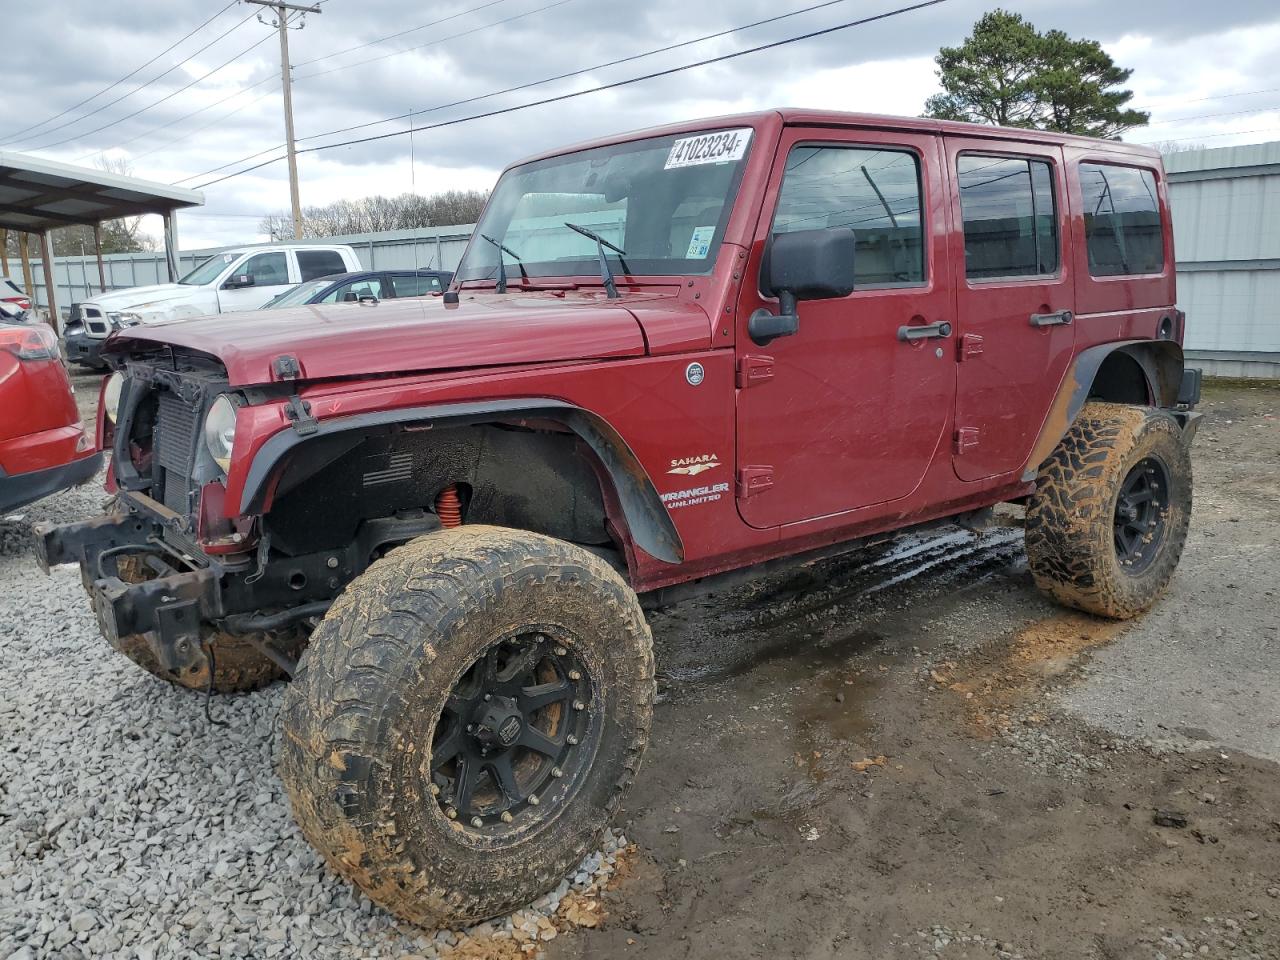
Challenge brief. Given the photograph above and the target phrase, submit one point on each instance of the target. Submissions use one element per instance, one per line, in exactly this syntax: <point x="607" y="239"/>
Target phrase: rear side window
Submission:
<point x="1121" y="220"/>
<point x="413" y="285"/>
<point x="319" y="263"/>
<point x="1010" y="218"/>
<point x="874" y="193"/>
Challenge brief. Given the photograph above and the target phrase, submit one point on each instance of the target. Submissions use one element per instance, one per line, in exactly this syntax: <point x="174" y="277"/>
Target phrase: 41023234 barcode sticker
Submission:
<point x="727" y="146"/>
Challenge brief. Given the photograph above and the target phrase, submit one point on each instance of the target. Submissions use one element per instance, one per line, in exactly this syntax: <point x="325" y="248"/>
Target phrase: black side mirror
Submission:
<point x="805" y="265"/>
<point x="244" y="280"/>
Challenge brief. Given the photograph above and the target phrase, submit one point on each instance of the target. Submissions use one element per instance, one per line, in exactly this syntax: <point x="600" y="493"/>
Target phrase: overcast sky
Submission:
<point x="1205" y="70"/>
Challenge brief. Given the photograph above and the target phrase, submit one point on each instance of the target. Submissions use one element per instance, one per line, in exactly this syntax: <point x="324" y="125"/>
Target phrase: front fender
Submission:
<point x="1161" y="363"/>
<point x="647" y="518"/>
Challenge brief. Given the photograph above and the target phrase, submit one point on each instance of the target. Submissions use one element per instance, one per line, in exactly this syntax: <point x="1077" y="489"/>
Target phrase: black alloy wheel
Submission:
<point x="1140" y="515"/>
<point x="515" y="723"/>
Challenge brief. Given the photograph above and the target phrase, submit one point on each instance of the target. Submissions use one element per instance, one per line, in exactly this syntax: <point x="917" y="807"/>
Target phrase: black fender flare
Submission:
<point x="647" y="517"/>
<point x="1161" y="363"/>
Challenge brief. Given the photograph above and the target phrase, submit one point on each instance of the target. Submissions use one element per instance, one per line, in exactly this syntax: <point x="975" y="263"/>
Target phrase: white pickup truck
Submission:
<point x="241" y="279"/>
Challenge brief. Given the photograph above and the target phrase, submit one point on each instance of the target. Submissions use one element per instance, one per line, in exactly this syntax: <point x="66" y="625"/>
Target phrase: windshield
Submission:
<point x="298" y="295"/>
<point x="208" y="271"/>
<point x="665" y="201"/>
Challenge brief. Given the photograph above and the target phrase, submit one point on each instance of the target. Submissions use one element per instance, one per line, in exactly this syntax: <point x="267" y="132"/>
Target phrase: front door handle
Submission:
<point x="1061" y="318"/>
<point x="926" y="331"/>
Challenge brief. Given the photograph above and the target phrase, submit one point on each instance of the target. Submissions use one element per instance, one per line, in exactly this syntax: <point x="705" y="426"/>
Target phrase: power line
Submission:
<point x="1211" y="116"/>
<point x="432" y="43"/>
<point x="402" y="33"/>
<point x="607" y="86"/>
<point x="524" y="86"/>
<point x="139" y="89"/>
<point x="187" y="116"/>
<point x="156" y="103"/>
<point x="14" y="136"/>
<point x="1206" y="136"/>
<point x="578" y="73"/>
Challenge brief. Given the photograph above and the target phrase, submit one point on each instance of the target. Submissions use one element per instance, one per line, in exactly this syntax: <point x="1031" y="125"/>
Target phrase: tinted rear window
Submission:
<point x="1121" y="220"/>
<point x="319" y="263"/>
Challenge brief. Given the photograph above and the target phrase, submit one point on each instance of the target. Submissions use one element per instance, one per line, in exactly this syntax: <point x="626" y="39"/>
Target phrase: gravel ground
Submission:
<point x="131" y="828"/>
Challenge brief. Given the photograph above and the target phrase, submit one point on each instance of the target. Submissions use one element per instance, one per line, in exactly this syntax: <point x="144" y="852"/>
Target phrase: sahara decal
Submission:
<point x="692" y="466"/>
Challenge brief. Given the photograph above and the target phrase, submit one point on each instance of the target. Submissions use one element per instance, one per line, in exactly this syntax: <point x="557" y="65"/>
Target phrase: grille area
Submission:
<point x="177" y="424"/>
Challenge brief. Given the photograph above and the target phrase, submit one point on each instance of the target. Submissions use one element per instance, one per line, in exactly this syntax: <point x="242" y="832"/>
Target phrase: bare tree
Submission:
<point x="407" y="211"/>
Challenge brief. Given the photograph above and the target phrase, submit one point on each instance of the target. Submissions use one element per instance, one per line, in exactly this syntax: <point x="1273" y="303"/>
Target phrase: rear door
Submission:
<point x="1014" y="299"/>
<point x="849" y="411"/>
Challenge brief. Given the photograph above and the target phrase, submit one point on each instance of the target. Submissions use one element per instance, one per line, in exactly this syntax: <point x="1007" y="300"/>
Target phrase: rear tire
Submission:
<point x="1108" y="520"/>
<point x="407" y="731"/>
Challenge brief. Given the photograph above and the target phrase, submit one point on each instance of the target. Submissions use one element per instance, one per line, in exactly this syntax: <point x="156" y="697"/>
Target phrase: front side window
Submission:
<point x="319" y="263"/>
<point x="873" y="192"/>
<point x="267" y="269"/>
<point x="1010" y="218"/>
<point x="1123" y="231"/>
<point x="415" y="285"/>
<point x="353" y="291"/>
<point x="664" y="200"/>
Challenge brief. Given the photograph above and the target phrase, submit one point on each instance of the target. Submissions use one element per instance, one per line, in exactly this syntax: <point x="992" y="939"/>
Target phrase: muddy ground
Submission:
<point x="909" y="752"/>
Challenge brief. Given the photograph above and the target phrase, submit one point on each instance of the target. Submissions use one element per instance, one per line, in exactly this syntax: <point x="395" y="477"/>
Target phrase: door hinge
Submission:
<point x="970" y="346"/>
<point x="966" y="439"/>
<point x="753" y="480"/>
<point x="299" y="411"/>
<point x="753" y="370"/>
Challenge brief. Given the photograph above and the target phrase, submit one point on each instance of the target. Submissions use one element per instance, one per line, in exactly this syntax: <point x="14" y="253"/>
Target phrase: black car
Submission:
<point x="350" y="287"/>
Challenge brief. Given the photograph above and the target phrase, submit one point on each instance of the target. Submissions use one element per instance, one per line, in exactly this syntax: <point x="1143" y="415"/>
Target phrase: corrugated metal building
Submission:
<point x="1226" y="221"/>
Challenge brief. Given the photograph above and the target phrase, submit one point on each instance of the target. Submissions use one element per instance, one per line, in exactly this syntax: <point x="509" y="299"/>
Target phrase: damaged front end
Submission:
<point x="166" y="563"/>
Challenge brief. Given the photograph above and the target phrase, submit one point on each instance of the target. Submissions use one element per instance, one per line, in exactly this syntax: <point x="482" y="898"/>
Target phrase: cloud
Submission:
<point x="1183" y="53"/>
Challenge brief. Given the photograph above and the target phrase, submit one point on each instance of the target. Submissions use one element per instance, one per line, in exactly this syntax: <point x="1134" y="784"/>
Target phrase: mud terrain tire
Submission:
<point x="380" y="683"/>
<point x="238" y="666"/>
<point x="1074" y="549"/>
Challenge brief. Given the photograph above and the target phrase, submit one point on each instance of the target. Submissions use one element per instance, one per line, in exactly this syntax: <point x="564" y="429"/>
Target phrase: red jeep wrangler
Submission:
<point x="667" y="358"/>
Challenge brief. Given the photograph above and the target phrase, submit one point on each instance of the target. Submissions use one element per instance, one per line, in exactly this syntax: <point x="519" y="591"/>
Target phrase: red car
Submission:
<point x="43" y="445"/>
<point x="669" y="360"/>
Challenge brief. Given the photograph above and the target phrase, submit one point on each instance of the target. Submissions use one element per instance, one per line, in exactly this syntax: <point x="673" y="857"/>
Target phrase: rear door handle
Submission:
<point x="909" y="334"/>
<point x="1061" y="318"/>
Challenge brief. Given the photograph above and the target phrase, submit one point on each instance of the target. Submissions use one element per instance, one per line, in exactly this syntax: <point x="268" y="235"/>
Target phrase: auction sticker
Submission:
<point x="728" y="146"/>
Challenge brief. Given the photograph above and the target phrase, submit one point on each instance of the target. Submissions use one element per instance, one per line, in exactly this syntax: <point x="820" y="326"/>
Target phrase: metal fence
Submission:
<point x="76" y="278"/>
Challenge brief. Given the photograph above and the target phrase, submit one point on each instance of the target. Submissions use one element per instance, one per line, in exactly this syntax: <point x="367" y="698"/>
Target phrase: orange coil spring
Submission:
<point x="449" y="507"/>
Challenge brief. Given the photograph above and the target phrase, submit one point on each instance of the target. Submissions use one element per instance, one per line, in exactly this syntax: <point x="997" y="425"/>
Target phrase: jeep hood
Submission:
<point x="402" y="336"/>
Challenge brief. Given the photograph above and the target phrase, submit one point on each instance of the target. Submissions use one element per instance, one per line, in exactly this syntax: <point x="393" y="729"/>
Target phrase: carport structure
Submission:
<point x="38" y="195"/>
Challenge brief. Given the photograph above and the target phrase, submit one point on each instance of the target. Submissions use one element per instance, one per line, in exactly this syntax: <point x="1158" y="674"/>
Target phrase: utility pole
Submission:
<point x="286" y="82"/>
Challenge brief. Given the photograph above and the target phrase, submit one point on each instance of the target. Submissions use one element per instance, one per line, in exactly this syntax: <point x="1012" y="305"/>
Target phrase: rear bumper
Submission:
<point x="84" y="350"/>
<point x="20" y="489"/>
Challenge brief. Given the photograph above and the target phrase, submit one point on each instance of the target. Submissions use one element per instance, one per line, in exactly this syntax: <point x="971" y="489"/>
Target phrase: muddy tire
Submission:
<point x="238" y="666"/>
<point x="1106" y="526"/>
<point x="466" y="721"/>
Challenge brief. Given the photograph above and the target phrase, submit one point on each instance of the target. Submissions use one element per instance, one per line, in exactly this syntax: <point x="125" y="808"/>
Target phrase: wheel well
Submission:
<point x="540" y="479"/>
<point x="1120" y="379"/>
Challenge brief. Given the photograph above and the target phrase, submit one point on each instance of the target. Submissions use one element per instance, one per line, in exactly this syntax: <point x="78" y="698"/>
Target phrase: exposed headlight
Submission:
<point x="125" y="319"/>
<point x="111" y="395"/>
<point x="220" y="431"/>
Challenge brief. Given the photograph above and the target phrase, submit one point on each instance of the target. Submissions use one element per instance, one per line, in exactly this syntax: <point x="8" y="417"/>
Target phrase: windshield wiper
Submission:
<point x="610" y="288"/>
<point x="501" y="285"/>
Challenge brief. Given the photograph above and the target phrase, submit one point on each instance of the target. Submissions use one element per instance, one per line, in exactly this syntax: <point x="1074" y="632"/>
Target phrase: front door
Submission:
<point x="270" y="273"/>
<point x="851" y="410"/>
<point x="1014" y="299"/>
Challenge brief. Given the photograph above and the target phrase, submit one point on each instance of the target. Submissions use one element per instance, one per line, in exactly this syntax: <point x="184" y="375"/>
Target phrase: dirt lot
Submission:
<point x="908" y="753"/>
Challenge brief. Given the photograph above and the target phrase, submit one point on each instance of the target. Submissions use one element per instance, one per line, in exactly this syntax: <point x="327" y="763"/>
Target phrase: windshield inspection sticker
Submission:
<point x="700" y="243"/>
<point x="728" y="146"/>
